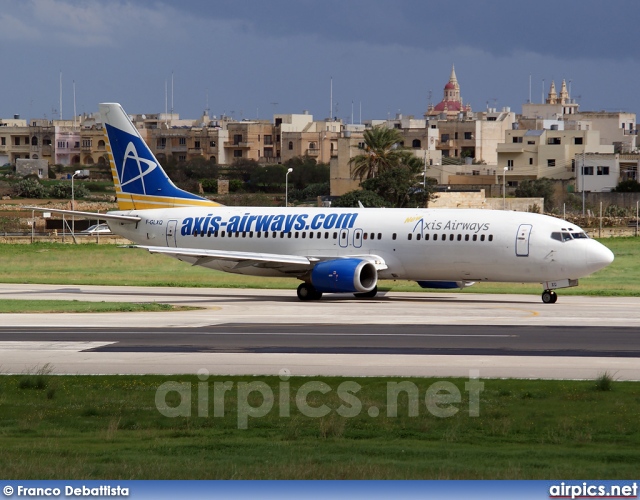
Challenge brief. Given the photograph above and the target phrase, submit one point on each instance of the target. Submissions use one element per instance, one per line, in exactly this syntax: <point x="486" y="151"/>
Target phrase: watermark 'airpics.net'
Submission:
<point x="256" y="399"/>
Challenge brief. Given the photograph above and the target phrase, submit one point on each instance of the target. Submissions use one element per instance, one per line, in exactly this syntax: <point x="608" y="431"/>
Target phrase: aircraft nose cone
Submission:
<point x="599" y="256"/>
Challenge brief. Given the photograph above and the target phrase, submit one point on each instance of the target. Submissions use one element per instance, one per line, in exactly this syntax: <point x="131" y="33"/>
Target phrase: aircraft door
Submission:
<point x="171" y="233"/>
<point x="522" y="240"/>
<point x="343" y="238"/>
<point x="357" y="238"/>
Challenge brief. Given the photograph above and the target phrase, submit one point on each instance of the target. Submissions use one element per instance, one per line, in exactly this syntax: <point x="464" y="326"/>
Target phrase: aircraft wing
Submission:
<point x="89" y="215"/>
<point x="245" y="259"/>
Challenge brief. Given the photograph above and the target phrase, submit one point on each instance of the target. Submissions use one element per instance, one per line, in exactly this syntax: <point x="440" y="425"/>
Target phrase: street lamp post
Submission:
<point x="73" y="203"/>
<point x="286" y="187"/>
<point x="504" y="189"/>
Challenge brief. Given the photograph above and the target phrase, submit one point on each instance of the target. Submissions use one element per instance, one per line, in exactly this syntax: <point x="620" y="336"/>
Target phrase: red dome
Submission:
<point x="449" y="86"/>
<point x="451" y="106"/>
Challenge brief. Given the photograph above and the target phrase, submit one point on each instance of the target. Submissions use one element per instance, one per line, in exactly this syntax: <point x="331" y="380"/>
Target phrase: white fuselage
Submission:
<point x="415" y="244"/>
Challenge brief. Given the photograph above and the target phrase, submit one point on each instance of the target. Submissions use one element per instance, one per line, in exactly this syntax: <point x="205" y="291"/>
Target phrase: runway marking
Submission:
<point x="31" y="345"/>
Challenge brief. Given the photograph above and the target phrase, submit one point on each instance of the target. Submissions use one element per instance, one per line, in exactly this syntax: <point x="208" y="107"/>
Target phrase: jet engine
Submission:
<point x="344" y="276"/>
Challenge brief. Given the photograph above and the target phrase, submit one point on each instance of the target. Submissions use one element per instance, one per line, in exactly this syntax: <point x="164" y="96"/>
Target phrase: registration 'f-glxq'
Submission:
<point x="338" y="250"/>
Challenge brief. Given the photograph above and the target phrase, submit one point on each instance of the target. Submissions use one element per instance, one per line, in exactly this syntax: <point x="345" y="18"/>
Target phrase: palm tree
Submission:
<point x="381" y="151"/>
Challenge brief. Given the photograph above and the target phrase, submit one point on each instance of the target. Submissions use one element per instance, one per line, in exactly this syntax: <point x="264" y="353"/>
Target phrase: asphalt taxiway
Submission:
<point x="261" y="332"/>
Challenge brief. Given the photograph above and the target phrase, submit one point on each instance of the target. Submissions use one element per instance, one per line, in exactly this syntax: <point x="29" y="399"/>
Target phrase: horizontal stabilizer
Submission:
<point x="88" y="215"/>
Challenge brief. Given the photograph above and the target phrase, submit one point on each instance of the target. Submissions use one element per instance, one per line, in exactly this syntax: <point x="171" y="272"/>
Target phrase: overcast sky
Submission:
<point x="252" y="59"/>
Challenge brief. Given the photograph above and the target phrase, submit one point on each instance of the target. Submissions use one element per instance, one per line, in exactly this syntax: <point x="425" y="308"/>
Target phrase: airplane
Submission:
<point x="337" y="250"/>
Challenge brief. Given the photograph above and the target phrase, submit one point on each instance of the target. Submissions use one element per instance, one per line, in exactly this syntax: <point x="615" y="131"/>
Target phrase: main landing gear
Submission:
<point x="549" y="297"/>
<point x="306" y="291"/>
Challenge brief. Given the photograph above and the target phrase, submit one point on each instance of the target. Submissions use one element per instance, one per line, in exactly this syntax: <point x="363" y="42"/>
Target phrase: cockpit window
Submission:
<point x="581" y="234"/>
<point x="561" y="236"/>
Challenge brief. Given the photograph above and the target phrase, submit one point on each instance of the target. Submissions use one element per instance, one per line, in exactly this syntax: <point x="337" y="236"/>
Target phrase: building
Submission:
<point x="451" y="104"/>
<point x="532" y="154"/>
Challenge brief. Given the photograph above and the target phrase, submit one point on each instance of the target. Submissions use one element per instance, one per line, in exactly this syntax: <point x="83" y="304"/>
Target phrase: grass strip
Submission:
<point x="91" y="264"/>
<point x="92" y="427"/>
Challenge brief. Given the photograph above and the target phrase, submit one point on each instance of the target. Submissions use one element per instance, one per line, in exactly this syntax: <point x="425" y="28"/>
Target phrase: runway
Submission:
<point x="261" y="332"/>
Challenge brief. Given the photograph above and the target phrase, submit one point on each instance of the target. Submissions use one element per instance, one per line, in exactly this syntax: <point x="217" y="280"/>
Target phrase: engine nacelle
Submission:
<point x="344" y="276"/>
<point x="445" y="285"/>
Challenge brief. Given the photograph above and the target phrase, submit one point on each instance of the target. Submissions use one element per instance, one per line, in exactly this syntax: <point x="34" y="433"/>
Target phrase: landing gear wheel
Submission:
<point x="549" y="297"/>
<point x="367" y="295"/>
<point x="307" y="291"/>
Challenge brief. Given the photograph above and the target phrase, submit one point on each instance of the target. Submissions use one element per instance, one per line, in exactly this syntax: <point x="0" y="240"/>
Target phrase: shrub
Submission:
<point x="30" y="188"/>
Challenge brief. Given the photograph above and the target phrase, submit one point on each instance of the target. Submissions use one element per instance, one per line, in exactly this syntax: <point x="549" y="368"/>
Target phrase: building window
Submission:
<point x="196" y="144"/>
<point x="182" y="157"/>
<point x="530" y="161"/>
<point x="361" y="145"/>
<point x="551" y="163"/>
<point x="237" y="153"/>
<point x="554" y="140"/>
<point x="444" y="138"/>
<point x="416" y="143"/>
<point x="161" y="143"/>
<point x="531" y="142"/>
<point x="268" y="140"/>
<point x="517" y="140"/>
<point x="3" y="141"/>
<point x="573" y="165"/>
<point x="602" y="170"/>
<point x="290" y="145"/>
<point x="587" y="170"/>
<point x="468" y="136"/>
<point x="577" y="140"/>
<point x="237" y="139"/>
<point x="510" y="164"/>
<point x="455" y="136"/>
<point x="86" y="143"/>
<point x="182" y="141"/>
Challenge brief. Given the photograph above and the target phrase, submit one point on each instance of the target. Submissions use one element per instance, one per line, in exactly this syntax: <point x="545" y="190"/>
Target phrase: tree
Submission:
<point x="628" y="186"/>
<point x="306" y="171"/>
<point x="351" y="199"/>
<point x="381" y="151"/>
<point x="537" y="188"/>
<point x="400" y="187"/>
<point x="268" y="178"/>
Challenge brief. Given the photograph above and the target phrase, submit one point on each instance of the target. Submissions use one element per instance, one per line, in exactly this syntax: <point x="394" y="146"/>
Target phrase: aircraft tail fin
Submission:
<point x="140" y="181"/>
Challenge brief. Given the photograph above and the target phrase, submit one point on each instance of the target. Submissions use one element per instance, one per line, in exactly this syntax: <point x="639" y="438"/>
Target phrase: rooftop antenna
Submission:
<point x="165" y="102"/>
<point x="60" y="95"/>
<point x="74" y="104"/>
<point x="171" y="92"/>
<point x="331" y="99"/>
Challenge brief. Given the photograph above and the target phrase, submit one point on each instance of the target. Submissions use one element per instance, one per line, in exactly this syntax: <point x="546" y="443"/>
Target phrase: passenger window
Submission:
<point x="482" y="237"/>
<point x="444" y="237"/>
<point x="409" y="236"/>
<point x="466" y="237"/>
<point x="451" y="237"/>
<point x="364" y="236"/>
<point x="393" y="237"/>
<point x="418" y="237"/>
<point x="426" y="236"/>
<point x="475" y="237"/>
<point x="459" y="237"/>
<point x="491" y="237"/>
<point x="379" y="236"/>
<point x="435" y="237"/>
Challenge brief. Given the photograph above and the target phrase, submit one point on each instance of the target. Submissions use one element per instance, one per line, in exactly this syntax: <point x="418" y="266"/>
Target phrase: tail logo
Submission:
<point x="136" y="168"/>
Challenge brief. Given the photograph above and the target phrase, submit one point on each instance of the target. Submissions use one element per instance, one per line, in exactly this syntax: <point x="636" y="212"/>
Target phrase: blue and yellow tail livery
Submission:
<point x="140" y="181"/>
